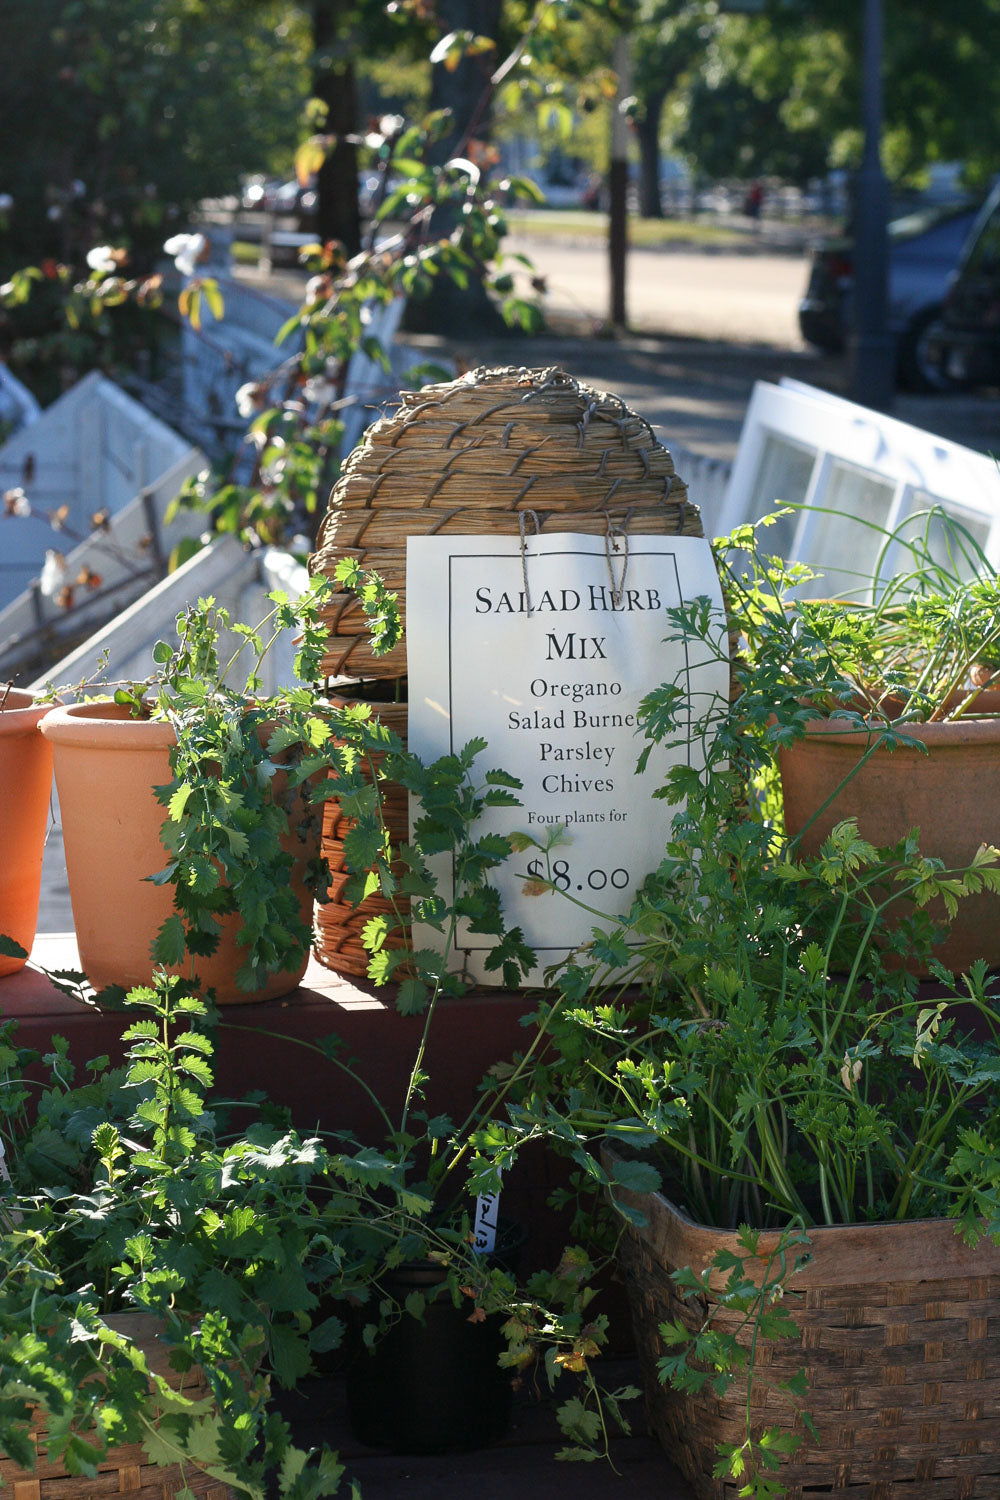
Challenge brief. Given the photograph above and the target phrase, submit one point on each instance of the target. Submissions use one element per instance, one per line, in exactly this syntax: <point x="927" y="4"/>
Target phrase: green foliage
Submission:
<point x="143" y="1207"/>
<point x="747" y="1307"/>
<point x="776" y="1065"/>
<point x="793" y="74"/>
<point x="921" y="643"/>
<point x="139" y="109"/>
<point x="241" y="808"/>
<point x="447" y="223"/>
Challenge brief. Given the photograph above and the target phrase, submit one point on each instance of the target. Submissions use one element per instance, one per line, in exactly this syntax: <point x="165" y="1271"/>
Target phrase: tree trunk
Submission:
<point x="337" y="216"/>
<point x="648" y="131"/>
<point x="618" y="189"/>
<point x="466" y="92"/>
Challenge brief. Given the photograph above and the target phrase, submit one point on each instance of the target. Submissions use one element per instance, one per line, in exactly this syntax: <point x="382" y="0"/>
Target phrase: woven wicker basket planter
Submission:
<point x="476" y="457"/>
<point x="900" y="1345"/>
<point x="126" y="1469"/>
<point x="339" y="925"/>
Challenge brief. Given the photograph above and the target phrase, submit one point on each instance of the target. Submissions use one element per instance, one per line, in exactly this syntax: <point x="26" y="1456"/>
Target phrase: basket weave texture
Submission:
<point x="125" y="1470"/>
<point x="339" y="925"/>
<point x="899" y="1343"/>
<point x="482" y="456"/>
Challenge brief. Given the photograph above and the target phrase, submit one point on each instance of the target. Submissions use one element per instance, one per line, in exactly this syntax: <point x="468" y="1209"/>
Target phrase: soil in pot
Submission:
<point x="25" y="792"/>
<point x="952" y="794"/>
<point x="107" y="765"/>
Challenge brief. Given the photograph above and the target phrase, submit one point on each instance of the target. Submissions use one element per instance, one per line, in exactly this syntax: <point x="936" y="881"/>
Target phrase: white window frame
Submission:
<point x="917" y="464"/>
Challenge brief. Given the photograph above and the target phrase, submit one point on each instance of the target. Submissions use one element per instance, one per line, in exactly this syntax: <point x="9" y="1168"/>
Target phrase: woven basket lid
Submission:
<point x="471" y="456"/>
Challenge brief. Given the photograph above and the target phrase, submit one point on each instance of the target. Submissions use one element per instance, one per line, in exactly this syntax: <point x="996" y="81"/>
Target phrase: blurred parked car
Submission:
<point x="293" y="200"/>
<point x="924" y="248"/>
<point x="965" y="345"/>
<point x="255" y="191"/>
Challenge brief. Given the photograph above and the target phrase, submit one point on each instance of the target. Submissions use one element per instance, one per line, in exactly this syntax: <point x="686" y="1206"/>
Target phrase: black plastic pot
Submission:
<point x="431" y="1384"/>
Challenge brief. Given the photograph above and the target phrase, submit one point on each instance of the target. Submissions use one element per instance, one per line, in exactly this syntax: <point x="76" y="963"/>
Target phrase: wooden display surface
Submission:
<point x="257" y="1045"/>
<point x="258" y="1048"/>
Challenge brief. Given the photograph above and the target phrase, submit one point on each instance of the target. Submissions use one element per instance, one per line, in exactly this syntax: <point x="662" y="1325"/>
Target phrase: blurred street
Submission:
<point x="746" y="296"/>
<point x="704" y="325"/>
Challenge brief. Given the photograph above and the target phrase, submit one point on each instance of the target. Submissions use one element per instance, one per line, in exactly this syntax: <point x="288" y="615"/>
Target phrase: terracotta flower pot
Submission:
<point x="952" y="794"/>
<point x="25" y="789"/>
<point x="106" y="766"/>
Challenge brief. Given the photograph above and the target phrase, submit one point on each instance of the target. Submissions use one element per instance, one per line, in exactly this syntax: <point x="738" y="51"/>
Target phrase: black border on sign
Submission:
<point x="515" y="556"/>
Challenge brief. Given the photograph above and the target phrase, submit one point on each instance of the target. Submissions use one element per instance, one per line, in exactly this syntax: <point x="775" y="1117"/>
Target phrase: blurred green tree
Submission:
<point x="118" y="116"/>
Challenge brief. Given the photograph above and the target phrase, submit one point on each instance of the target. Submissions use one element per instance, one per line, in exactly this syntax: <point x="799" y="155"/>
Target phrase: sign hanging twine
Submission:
<point x="615" y="545"/>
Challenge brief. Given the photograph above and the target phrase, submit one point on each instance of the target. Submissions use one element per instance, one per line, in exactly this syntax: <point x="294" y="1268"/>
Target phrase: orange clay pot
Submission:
<point x="25" y="789"/>
<point x="106" y="766"/>
<point x="951" y="794"/>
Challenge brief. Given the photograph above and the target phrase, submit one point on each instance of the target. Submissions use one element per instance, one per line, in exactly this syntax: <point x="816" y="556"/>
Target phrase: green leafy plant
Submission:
<point x="922" y="644"/>
<point x="124" y="1195"/>
<point x="757" y="1305"/>
<point x="248" y="772"/>
<point x="417" y="1184"/>
<point x="753" y="1029"/>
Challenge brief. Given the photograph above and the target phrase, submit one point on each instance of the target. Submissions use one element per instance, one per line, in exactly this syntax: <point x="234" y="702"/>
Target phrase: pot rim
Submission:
<point x="871" y="1249"/>
<point x="22" y="711"/>
<point x="107" y="725"/>
<point x="946" y="732"/>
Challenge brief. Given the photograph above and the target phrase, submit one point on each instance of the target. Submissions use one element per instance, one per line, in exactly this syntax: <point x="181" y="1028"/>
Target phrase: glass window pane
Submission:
<point x="782" y="476"/>
<point x="952" y="550"/>
<point x="842" y="551"/>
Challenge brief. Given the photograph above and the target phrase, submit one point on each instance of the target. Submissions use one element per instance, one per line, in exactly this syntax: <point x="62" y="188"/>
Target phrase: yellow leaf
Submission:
<point x="310" y="157"/>
<point x="574" y="1362"/>
<point x="213" y="297"/>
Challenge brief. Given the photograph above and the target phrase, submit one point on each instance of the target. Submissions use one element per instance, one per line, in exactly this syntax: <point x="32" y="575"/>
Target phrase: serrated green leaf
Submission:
<point x="169" y="946"/>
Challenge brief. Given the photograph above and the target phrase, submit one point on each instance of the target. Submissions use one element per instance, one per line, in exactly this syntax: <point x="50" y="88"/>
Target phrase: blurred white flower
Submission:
<point x="187" y="251"/>
<point x="101" y="258"/>
<point x="54" y="574"/>
<point x="250" y="398"/>
<point x="16" y="503"/>
<point x="6" y="203"/>
<point x="318" y="287"/>
<point x="317" y="388"/>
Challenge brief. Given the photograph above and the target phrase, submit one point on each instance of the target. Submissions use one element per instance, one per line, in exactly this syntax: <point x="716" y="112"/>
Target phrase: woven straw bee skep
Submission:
<point x="474" y="457"/>
<point x="467" y="458"/>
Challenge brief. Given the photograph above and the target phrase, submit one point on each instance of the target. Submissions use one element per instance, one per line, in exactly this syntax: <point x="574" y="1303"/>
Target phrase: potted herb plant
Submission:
<point x="432" y="1296"/>
<point x="25" y="793"/>
<point x="190" y="828"/>
<point x="898" y="699"/>
<point x="803" y="1137"/>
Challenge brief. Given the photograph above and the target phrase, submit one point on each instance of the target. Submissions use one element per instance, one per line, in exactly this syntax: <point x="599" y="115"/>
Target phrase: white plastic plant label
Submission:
<point x="545" y="648"/>
<point x="484" y="1229"/>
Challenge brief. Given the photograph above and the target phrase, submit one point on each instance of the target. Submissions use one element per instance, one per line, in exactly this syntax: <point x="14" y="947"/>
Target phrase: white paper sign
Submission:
<point x="551" y="675"/>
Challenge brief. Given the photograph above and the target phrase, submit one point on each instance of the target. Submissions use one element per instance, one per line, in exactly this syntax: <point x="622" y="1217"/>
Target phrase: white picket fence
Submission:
<point x="707" y="480"/>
